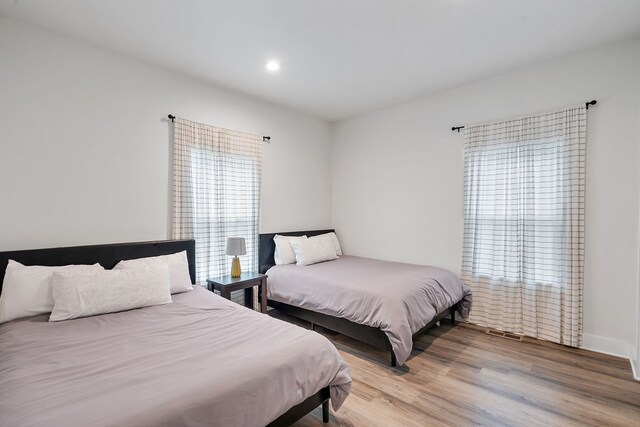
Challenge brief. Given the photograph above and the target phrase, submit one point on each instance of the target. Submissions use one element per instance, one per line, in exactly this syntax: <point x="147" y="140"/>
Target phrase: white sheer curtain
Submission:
<point x="216" y="193"/>
<point x="524" y="224"/>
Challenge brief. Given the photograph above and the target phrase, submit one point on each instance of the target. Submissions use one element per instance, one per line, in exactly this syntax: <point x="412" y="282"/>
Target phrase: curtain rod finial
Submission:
<point x="171" y="116"/>
<point x="592" y="102"/>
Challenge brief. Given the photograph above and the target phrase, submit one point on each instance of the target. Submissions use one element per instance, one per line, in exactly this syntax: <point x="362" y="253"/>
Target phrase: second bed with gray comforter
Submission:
<point x="400" y="299"/>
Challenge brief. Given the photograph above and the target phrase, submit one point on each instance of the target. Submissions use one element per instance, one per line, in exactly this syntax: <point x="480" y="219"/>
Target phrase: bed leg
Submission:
<point x="453" y="315"/>
<point x="325" y="411"/>
<point x="313" y="326"/>
<point x="394" y="362"/>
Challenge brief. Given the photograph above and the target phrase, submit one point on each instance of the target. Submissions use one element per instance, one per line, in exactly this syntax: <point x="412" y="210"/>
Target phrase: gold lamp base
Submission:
<point x="235" y="267"/>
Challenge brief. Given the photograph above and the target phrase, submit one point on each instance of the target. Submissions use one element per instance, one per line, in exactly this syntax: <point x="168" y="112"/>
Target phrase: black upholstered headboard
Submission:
<point x="107" y="255"/>
<point x="268" y="246"/>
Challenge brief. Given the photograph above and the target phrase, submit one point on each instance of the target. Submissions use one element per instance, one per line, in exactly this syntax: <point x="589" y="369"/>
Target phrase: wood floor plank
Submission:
<point x="587" y="360"/>
<point x="558" y="398"/>
<point x="459" y="375"/>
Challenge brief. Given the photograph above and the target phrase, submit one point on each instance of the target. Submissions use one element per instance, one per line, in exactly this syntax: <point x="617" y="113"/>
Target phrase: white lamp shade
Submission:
<point x="236" y="246"/>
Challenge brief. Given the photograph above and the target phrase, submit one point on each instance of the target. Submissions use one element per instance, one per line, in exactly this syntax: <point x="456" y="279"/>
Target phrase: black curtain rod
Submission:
<point x="264" y="138"/>
<point x="586" y="104"/>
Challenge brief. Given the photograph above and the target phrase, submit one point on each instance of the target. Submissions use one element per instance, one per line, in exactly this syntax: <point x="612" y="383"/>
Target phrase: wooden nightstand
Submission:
<point x="226" y="284"/>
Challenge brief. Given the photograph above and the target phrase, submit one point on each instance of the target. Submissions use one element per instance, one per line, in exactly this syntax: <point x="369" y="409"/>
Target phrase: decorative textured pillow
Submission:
<point x="178" y="269"/>
<point x="109" y="291"/>
<point x="311" y="251"/>
<point x="284" y="253"/>
<point x="26" y="290"/>
<point x="332" y="238"/>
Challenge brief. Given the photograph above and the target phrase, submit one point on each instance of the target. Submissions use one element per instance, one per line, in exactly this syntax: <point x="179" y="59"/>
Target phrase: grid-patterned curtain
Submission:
<point x="524" y="224"/>
<point x="216" y="193"/>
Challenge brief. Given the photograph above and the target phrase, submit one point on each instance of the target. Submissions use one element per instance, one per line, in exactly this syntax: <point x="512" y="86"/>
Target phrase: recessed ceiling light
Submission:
<point x="273" y="66"/>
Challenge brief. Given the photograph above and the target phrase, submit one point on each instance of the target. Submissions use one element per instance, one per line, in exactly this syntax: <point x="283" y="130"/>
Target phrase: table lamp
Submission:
<point x="235" y="247"/>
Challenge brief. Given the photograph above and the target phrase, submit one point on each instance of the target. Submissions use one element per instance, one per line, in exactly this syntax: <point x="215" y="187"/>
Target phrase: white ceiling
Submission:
<point x="339" y="58"/>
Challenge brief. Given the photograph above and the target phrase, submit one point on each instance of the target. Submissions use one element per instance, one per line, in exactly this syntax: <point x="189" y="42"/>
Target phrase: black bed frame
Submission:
<point x="366" y="334"/>
<point x="109" y="255"/>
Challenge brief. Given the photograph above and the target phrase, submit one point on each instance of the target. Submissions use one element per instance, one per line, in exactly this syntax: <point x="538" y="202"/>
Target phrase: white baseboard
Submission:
<point x="606" y="345"/>
<point x="635" y="365"/>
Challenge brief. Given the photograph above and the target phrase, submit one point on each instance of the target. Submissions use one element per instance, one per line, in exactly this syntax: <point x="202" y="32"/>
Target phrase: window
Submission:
<point x="520" y="199"/>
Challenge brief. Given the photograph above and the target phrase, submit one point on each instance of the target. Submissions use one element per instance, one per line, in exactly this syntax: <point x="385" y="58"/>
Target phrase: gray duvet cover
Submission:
<point x="398" y="298"/>
<point x="200" y="361"/>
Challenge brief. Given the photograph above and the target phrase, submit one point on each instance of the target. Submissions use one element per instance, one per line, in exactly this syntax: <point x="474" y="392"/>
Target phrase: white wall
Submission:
<point x="84" y="146"/>
<point x="84" y="152"/>
<point x="635" y="357"/>
<point x="397" y="176"/>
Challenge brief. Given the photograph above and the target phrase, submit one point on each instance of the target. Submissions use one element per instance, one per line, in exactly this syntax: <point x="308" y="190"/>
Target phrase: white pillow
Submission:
<point x="26" y="290"/>
<point x="178" y="269"/>
<point x="109" y="291"/>
<point x="330" y="237"/>
<point x="284" y="253"/>
<point x="310" y="251"/>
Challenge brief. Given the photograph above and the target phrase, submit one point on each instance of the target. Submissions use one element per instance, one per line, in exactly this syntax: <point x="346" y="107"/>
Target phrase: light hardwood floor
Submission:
<point x="462" y="376"/>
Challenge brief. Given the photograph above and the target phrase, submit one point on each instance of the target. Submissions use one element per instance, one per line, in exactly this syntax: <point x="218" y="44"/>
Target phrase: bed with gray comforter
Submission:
<point x="201" y="360"/>
<point x="398" y="298"/>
